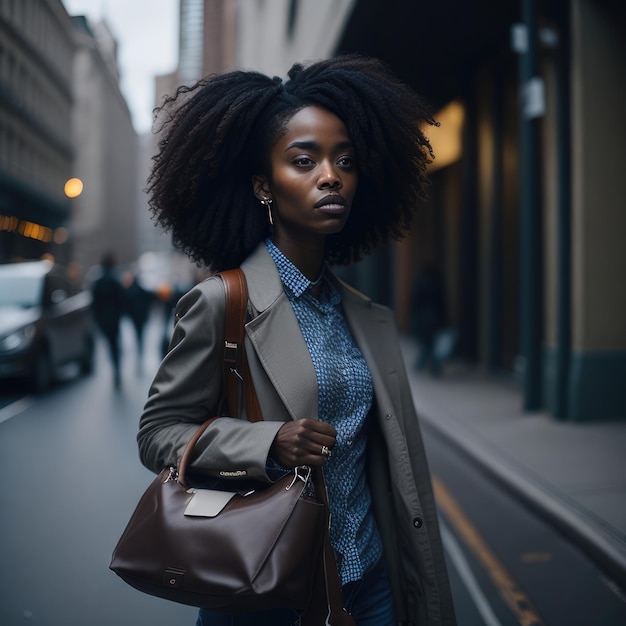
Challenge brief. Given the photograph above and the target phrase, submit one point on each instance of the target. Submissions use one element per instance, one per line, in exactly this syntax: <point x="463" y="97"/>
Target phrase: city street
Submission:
<point x="507" y="565"/>
<point x="73" y="478"/>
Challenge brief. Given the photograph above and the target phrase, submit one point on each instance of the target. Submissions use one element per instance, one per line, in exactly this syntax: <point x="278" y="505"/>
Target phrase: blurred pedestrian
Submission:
<point x="109" y="304"/>
<point x="167" y="297"/>
<point x="75" y="275"/>
<point x="428" y="317"/>
<point x="138" y="307"/>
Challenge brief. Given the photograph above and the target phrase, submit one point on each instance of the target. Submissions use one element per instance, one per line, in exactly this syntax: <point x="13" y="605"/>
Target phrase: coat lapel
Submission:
<point x="276" y="337"/>
<point x="370" y="328"/>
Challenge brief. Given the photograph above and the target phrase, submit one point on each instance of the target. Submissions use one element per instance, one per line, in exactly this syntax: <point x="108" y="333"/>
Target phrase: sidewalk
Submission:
<point x="573" y="473"/>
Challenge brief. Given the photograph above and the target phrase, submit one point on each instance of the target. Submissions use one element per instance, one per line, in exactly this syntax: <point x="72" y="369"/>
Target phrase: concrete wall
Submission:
<point x="598" y="215"/>
<point x="267" y="43"/>
<point x="599" y="183"/>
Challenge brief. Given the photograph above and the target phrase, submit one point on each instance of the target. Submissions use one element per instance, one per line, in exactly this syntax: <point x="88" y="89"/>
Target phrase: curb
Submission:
<point x="594" y="537"/>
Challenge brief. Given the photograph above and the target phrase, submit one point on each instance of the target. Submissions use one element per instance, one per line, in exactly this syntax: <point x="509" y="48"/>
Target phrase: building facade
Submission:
<point x="62" y="116"/>
<point x="206" y="38"/>
<point x="104" y="216"/>
<point x="36" y="149"/>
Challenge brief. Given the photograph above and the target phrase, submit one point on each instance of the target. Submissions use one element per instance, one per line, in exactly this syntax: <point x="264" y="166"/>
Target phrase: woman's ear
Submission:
<point x="260" y="187"/>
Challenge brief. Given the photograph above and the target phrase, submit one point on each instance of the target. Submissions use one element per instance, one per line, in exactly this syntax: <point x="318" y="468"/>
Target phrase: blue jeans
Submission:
<point x="368" y="600"/>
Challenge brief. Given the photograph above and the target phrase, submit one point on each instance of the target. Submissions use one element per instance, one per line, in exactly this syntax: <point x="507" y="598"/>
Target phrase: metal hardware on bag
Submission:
<point x="173" y="475"/>
<point x="233" y="370"/>
<point x="298" y="471"/>
<point x="230" y="351"/>
<point x="174" y="577"/>
<point x="231" y="356"/>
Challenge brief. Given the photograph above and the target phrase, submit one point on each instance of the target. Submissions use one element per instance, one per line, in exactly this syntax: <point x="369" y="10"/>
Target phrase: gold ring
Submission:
<point x="325" y="451"/>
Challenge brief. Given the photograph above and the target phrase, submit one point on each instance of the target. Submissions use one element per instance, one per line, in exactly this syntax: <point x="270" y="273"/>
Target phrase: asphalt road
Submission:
<point x="507" y="565"/>
<point x="71" y="480"/>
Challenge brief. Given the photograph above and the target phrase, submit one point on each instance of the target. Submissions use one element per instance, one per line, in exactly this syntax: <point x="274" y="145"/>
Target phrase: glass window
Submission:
<point x="20" y="291"/>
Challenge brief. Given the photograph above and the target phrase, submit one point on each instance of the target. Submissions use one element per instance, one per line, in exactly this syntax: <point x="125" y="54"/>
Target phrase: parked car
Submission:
<point x="45" y="322"/>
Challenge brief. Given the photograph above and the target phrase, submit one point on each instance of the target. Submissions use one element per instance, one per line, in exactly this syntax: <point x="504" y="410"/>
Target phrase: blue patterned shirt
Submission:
<point x="345" y="394"/>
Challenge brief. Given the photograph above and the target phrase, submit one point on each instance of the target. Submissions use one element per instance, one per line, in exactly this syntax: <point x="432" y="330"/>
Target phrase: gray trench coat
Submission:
<point x="187" y="390"/>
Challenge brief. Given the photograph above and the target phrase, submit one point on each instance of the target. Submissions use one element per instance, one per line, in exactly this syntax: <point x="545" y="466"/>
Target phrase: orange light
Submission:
<point x="164" y="292"/>
<point x="73" y="187"/>
<point x="446" y="139"/>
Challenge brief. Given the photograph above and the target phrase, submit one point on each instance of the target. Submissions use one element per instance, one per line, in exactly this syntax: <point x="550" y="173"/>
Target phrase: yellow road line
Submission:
<point x="516" y="599"/>
<point x="536" y="557"/>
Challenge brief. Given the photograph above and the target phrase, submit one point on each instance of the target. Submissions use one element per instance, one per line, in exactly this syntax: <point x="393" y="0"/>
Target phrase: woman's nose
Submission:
<point x="329" y="177"/>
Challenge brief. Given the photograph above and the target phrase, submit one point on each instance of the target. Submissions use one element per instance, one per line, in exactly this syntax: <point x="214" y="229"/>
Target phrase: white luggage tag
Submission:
<point x="207" y="502"/>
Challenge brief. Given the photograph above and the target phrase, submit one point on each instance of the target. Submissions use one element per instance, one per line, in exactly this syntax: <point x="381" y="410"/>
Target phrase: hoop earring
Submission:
<point x="268" y="203"/>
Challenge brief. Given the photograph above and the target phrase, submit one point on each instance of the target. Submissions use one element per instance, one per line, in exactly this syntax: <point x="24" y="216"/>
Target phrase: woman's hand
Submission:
<point x="303" y="442"/>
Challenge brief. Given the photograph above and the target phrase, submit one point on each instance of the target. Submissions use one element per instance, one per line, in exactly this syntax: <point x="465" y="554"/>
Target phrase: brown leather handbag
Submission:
<point x="234" y="551"/>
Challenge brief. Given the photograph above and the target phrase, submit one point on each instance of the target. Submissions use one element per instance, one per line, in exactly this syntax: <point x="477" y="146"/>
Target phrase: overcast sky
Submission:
<point x="147" y="36"/>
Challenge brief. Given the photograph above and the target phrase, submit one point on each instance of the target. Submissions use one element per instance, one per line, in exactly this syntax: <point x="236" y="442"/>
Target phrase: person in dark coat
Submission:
<point x="109" y="304"/>
<point x="138" y="306"/>
<point x="428" y="316"/>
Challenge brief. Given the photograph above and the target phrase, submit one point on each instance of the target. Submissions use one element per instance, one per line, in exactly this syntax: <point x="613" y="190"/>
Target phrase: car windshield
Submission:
<point x="20" y="291"/>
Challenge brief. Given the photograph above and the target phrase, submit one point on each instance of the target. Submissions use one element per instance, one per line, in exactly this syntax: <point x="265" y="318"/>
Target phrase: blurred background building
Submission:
<point x="62" y="117"/>
<point x="36" y="148"/>
<point x="525" y="218"/>
<point x="104" y="215"/>
<point x="206" y="45"/>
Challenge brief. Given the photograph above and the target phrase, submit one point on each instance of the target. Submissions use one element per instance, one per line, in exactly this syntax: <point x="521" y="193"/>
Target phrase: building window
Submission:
<point x="292" y="17"/>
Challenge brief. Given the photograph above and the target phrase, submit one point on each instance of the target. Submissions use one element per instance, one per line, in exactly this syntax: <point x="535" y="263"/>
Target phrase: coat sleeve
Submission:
<point x="187" y="390"/>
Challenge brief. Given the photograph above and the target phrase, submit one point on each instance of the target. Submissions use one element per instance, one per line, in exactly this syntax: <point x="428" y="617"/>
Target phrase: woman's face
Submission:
<point x="313" y="177"/>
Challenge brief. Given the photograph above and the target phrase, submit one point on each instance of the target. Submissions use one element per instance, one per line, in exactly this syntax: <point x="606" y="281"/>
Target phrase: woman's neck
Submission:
<point x="307" y="257"/>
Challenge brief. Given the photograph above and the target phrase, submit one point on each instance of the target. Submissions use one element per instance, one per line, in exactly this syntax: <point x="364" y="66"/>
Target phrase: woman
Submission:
<point x="284" y="179"/>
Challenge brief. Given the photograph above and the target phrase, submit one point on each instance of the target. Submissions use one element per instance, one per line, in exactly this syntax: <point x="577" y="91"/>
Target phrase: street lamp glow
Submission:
<point x="73" y="187"/>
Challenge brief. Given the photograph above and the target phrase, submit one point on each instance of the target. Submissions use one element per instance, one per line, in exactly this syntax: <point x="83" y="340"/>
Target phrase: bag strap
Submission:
<point x="235" y="364"/>
<point x="327" y="604"/>
<point x="235" y="370"/>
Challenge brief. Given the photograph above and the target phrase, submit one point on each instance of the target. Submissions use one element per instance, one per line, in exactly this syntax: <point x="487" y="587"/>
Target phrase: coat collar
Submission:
<point x="275" y="334"/>
<point x="264" y="284"/>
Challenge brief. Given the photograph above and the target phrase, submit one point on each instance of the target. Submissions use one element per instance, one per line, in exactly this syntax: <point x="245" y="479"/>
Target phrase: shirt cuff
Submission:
<point x="274" y="470"/>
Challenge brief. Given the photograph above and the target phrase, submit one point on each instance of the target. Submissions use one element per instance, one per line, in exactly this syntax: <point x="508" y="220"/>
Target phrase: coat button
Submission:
<point x="388" y="416"/>
<point x="418" y="522"/>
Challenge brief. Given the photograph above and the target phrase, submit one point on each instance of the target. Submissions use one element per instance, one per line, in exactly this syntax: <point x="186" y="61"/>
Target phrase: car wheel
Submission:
<point x="87" y="357"/>
<point x="43" y="373"/>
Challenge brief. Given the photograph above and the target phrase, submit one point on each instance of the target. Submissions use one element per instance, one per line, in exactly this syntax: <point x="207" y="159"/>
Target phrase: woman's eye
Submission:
<point x="346" y="161"/>
<point x="303" y="161"/>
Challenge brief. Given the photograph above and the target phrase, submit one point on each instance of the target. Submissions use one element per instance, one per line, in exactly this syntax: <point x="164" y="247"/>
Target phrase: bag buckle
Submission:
<point x="302" y="472"/>
<point x="231" y="358"/>
<point x="172" y="476"/>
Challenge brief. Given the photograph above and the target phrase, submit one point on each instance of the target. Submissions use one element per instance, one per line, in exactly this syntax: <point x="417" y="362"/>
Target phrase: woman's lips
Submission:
<point x="332" y="205"/>
<point x="332" y="209"/>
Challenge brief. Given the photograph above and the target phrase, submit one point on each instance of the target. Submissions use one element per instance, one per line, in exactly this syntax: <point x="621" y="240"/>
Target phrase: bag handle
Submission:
<point x="327" y="603"/>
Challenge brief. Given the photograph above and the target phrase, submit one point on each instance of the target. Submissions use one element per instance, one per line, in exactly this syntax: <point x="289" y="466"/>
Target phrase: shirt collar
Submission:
<point x="289" y="274"/>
